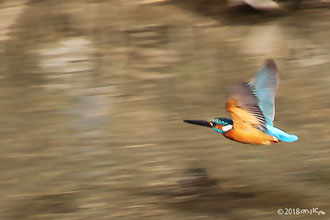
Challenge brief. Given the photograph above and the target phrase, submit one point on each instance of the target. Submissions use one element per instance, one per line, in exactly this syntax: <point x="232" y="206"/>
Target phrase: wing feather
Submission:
<point x="264" y="85"/>
<point x="243" y="107"/>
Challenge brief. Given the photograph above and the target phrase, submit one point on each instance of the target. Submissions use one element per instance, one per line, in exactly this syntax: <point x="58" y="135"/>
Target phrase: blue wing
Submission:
<point x="264" y="85"/>
<point x="281" y="135"/>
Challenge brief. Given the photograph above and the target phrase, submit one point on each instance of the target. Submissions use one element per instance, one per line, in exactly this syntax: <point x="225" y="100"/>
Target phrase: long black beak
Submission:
<point x="199" y="122"/>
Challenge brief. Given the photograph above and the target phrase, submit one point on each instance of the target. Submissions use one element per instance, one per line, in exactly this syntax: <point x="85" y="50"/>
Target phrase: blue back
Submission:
<point x="281" y="135"/>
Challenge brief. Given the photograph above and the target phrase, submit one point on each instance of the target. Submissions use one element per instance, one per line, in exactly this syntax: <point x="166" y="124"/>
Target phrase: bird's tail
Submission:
<point x="281" y="135"/>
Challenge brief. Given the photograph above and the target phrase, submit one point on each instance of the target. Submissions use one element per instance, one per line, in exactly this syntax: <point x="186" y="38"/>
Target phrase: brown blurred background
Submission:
<point x="93" y="94"/>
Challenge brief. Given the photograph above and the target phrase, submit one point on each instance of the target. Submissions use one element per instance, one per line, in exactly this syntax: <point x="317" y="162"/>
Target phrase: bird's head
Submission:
<point x="221" y="125"/>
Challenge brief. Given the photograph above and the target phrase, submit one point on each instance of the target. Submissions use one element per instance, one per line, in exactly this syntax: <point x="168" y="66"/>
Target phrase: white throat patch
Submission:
<point x="226" y="128"/>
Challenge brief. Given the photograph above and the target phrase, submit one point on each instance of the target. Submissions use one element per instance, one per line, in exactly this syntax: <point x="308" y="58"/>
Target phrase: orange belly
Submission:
<point x="251" y="136"/>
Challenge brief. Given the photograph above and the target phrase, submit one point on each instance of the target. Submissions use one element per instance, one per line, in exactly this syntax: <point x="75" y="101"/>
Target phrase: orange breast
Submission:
<point x="251" y="136"/>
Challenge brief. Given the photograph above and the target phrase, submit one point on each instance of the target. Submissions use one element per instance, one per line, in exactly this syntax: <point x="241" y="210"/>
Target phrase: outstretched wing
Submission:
<point x="243" y="106"/>
<point x="264" y="85"/>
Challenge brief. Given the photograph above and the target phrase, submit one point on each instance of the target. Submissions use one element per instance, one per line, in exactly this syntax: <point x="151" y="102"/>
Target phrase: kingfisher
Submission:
<point x="252" y="108"/>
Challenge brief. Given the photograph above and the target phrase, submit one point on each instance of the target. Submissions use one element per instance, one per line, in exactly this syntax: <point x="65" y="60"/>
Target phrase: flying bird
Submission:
<point x="252" y="108"/>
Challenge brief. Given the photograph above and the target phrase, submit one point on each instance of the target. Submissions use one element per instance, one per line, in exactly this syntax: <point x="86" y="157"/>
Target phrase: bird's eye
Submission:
<point x="212" y="124"/>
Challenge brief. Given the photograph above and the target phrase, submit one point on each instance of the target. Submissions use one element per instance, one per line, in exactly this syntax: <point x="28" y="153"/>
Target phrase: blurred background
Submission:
<point x="93" y="94"/>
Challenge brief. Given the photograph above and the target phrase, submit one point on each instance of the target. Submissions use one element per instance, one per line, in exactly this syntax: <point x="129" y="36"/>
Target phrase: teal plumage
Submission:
<point x="220" y="121"/>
